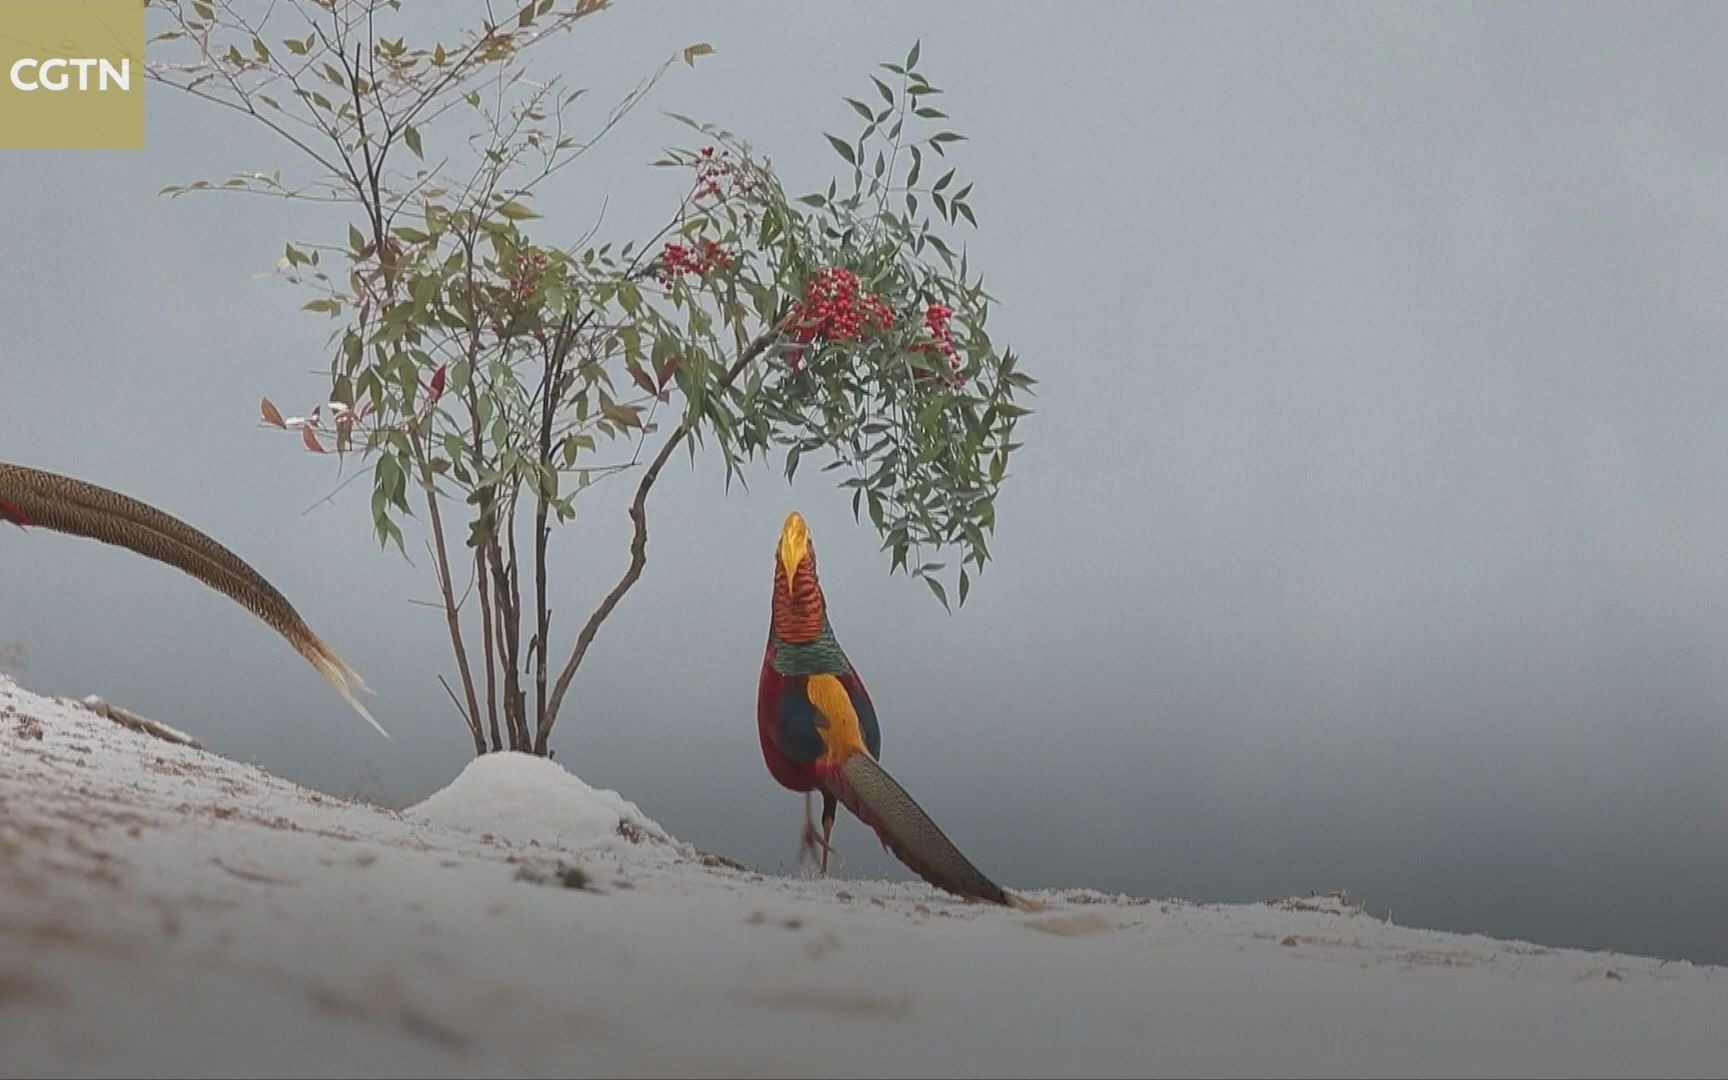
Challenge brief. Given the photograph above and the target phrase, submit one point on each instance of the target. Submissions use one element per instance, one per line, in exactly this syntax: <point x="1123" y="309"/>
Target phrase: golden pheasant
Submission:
<point x="819" y="732"/>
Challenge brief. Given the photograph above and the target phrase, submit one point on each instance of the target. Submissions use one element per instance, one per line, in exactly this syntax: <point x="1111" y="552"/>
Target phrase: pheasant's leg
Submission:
<point x="809" y="841"/>
<point x="829" y="804"/>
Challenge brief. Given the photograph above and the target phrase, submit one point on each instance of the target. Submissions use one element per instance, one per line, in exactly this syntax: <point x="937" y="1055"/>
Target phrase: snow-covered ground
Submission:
<point x="166" y="911"/>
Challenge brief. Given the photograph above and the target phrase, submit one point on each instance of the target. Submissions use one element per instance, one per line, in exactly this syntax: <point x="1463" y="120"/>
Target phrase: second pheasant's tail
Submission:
<point x="51" y="501"/>
<point x="338" y="674"/>
<point x="880" y="802"/>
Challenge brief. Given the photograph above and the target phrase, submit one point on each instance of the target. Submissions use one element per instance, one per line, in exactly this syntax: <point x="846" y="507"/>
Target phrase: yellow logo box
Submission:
<point x="71" y="74"/>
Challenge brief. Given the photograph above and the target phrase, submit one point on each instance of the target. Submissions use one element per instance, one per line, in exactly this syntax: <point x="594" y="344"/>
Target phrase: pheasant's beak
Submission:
<point x="794" y="544"/>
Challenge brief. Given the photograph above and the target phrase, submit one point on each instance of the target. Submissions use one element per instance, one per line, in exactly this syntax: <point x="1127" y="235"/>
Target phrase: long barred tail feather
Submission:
<point x="63" y="504"/>
<point x="880" y="802"/>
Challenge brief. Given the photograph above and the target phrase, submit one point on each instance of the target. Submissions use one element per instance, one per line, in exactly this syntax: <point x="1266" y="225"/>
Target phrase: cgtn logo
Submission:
<point x="57" y="74"/>
<point x="72" y="75"/>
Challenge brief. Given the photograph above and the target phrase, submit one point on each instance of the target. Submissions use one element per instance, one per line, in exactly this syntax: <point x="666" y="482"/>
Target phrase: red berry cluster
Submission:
<point x="530" y="267"/>
<point x="833" y="310"/>
<point x="880" y="314"/>
<point x="716" y="177"/>
<point x="936" y="321"/>
<point x="680" y="259"/>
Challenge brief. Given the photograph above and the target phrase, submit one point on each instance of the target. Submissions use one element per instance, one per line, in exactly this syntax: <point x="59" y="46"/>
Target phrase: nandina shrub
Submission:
<point x="493" y="369"/>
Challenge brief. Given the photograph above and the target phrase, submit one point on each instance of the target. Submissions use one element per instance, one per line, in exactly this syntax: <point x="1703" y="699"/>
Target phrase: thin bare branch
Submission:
<point x="639" y="536"/>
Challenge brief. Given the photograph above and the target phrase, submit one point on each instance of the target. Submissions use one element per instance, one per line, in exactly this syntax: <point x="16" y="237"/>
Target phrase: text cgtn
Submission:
<point x="30" y="74"/>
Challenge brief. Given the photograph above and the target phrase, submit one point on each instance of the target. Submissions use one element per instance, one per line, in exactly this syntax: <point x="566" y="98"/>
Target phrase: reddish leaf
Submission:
<point x="311" y="440"/>
<point x="640" y="378"/>
<point x="668" y="368"/>
<point x="272" y="415"/>
<point x="435" y="389"/>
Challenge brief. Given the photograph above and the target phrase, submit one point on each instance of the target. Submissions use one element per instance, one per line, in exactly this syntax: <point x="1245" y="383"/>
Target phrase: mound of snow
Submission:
<point x="522" y="798"/>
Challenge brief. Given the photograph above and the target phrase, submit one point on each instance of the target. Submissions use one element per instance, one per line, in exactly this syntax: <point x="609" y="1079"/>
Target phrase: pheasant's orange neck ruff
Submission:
<point x="800" y="613"/>
<point x="803" y="641"/>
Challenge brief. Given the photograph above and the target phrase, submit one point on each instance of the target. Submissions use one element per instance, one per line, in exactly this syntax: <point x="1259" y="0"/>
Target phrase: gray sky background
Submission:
<point x="1371" y="533"/>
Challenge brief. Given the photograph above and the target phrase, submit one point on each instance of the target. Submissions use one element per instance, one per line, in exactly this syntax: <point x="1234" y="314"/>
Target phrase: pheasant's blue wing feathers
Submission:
<point x="866" y="712"/>
<point x="797" y="734"/>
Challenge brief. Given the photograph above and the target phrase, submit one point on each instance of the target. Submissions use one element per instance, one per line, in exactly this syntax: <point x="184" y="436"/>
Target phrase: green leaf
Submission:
<point x="965" y="586"/>
<point x="941" y="593"/>
<point x="423" y="288"/>
<point x="861" y="109"/>
<point x="882" y="88"/>
<point x="411" y="136"/>
<point x="515" y="211"/>
<point x="843" y="148"/>
<point x="912" y="57"/>
<point x="927" y="416"/>
<point x="625" y="416"/>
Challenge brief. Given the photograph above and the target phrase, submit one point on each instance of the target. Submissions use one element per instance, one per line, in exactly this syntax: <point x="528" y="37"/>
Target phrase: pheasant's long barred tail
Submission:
<point x="77" y="508"/>
<point x="879" y="800"/>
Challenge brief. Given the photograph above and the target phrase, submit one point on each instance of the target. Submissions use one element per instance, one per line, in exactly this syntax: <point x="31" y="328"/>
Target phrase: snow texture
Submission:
<point x="531" y="799"/>
<point x="165" y="911"/>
